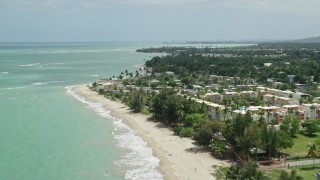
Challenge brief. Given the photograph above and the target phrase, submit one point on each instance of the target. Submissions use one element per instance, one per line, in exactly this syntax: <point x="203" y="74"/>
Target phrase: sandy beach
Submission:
<point x="179" y="157"/>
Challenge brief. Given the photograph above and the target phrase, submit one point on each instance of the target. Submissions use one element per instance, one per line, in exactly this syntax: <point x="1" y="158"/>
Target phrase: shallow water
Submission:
<point x="46" y="133"/>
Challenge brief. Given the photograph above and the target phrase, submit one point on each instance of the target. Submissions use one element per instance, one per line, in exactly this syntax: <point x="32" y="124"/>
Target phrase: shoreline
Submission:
<point x="179" y="157"/>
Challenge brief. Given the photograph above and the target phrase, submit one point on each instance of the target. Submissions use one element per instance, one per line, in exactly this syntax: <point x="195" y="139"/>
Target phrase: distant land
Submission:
<point x="304" y="40"/>
<point x="307" y="40"/>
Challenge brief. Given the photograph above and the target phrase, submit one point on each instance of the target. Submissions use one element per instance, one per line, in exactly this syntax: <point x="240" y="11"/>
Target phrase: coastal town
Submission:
<point x="190" y="100"/>
<point x="160" y="90"/>
<point x="276" y="104"/>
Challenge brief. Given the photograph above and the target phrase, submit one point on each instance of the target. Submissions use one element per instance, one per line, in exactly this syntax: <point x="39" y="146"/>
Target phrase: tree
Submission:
<point x="251" y="139"/>
<point x="261" y="122"/>
<point x="206" y="130"/>
<point x="310" y="127"/>
<point x="268" y="114"/>
<point x="291" y="126"/>
<point x="295" y="127"/>
<point x="136" y="101"/>
<point x="285" y="125"/>
<point x="313" y="151"/>
<point x="203" y="132"/>
<point x="218" y="147"/>
<point x="192" y="119"/>
<point x="159" y="103"/>
<point x="270" y="141"/>
<point x="284" y="175"/>
<point x="285" y="140"/>
<point x="101" y="91"/>
<point x="225" y="111"/>
<point x="94" y="85"/>
<point x="171" y="109"/>
<point x="167" y="106"/>
<point x="247" y="171"/>
<point x="217" y="112"/>
<point x="172" y="83"/>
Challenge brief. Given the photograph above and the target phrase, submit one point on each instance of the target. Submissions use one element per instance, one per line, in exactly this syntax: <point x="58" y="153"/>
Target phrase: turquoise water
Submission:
<point x="48" y="132"/>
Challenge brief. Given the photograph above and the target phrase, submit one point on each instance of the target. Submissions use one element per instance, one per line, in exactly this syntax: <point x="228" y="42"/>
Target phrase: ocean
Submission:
<point x="49" y="132"/>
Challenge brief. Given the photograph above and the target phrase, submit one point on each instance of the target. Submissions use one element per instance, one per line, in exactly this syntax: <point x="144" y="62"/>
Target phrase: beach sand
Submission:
<point x="179" y="157"/>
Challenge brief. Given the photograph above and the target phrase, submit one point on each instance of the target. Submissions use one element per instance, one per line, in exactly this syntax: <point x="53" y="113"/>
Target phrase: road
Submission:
<point x="301" y="163"/>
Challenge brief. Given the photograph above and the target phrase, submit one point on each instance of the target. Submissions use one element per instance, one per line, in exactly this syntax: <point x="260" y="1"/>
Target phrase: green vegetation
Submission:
<point x="307" y="172"/>
<point x="299" y="148"/>
<point x="311" y="127"/>
<point x="245" y="63"/>
<point x="313" y="151"/>
<point x="291" y="126"/>
<point x="168" y="85"/>
<point x="245" y="171"/>
<point x="272" y="174"/>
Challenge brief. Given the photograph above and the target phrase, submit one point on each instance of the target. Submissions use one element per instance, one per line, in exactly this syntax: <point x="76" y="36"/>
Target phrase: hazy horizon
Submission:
<point x="157" y="20"/>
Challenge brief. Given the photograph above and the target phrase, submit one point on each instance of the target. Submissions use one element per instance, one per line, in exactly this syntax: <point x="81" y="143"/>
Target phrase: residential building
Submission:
<point x="245" y="94"/>
<point x="214" y="97"/>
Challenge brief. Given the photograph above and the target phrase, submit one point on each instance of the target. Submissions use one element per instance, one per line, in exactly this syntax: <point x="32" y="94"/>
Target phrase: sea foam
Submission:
<point x="14" y="88"/>
<point x="29" y="65"/>
<point x="139" y="162"/>
<point x="45" y="83"/>
<point x="94" y="75"/>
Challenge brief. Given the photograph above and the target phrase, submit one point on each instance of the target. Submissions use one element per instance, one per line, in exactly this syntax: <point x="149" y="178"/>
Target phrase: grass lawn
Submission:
<point x="299" y="149"/>
<point x="308" y="172"/>
<point x="272" y="174"/>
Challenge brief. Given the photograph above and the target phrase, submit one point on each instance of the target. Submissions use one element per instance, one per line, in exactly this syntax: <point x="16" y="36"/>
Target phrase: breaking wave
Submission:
<point x="139" y="162"/>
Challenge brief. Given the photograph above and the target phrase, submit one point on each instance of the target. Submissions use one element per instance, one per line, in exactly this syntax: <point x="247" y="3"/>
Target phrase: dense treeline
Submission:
<point x="290" y="45"/>
<point x="248" y="49"/>
<point x="166" y="106"/>
<point x="187" y="65"/>
<point x="238" y="51"/>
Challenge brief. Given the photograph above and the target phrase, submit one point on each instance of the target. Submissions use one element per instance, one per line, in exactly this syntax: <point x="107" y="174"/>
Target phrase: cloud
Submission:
<point x="302" y="7"/>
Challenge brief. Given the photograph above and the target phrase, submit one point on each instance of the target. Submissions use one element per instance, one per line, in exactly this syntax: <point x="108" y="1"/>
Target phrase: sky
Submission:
<point x="157" y="20"/>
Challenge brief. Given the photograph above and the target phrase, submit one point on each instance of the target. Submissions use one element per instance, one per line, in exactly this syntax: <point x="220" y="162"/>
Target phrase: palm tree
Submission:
<point x="261" y="119"/>
<point x="130" y="74"/>
<point x="290" y="112"/>
<point x="312" y="108"/>
<point x="225" y="111"/>
<point x="217" y="111"/>
<point x="313" y="151"/>
<point x="269" y="114"/>
<point x="273" y="99"/>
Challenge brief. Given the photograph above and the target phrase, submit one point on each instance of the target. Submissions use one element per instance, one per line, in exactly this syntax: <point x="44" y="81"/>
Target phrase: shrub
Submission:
<point x="186" y="132"/>
<point x="177" y="130"/>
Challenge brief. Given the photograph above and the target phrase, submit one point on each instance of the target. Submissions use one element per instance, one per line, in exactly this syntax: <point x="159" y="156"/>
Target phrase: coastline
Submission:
<point x="179" y="157"/>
